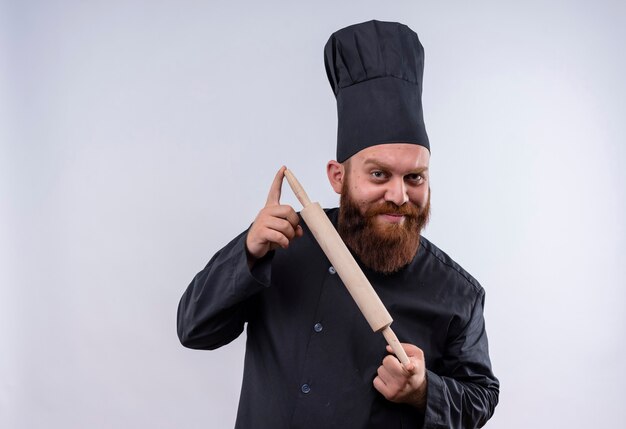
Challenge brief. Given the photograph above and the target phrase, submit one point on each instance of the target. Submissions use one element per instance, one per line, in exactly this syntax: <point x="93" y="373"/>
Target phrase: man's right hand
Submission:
<point x="275" y="225"/>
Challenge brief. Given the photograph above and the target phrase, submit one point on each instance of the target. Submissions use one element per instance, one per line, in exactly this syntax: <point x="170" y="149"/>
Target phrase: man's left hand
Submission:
<point x="403" y="383"/>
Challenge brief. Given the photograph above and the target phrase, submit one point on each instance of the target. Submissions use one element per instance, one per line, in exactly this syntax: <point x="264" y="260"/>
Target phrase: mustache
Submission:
<point x="387" y="207"/>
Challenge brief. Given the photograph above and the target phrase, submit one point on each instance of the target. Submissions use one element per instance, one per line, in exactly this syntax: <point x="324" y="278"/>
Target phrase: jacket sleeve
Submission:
<point x="213" y="310"/>
<point x="466" y="393"/>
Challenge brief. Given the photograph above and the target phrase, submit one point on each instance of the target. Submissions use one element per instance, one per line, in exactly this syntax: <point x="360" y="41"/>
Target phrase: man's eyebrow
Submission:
<point x="387" y="167"/>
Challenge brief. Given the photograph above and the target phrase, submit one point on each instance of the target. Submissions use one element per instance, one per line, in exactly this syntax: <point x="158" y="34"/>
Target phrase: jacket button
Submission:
<point x="332" y="270"/>
<point x="305" y="388"/>
<point x="318" y="327"/>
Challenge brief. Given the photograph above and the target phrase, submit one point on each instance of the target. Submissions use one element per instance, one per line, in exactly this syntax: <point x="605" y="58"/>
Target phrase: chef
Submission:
<point x="312" y="360"/>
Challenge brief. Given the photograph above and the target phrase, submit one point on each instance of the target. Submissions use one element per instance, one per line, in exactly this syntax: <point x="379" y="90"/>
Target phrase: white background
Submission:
<point x="138" y="137"/>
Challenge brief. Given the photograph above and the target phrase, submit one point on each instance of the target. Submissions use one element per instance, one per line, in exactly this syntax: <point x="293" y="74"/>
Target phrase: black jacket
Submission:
<point x="311" y="357"/>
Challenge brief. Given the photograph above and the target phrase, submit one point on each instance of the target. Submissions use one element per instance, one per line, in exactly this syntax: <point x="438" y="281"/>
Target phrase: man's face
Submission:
<point x="385" y="203"/>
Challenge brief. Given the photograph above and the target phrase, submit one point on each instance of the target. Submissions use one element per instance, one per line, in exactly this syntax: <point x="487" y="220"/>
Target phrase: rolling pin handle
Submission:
<point x="397" y="348"/>
<point x="297" y="189"/>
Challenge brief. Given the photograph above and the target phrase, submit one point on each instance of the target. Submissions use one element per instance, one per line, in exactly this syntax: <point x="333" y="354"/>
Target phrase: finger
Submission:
<point x="273" y="198"/>
<point x="384" y="375"/>
<point x="410" y="366"/>
<point x="387" y="384"/>
<point x="283" y="212"/>
<point x="269" y="237"/>
<point x="286" y="212"/>
<point x="381" y="386"/>
<point x="274" y="238"/>
<point x="410" y="350"/>
<point x="393" y="366"/>
<point x="280" y="225"/>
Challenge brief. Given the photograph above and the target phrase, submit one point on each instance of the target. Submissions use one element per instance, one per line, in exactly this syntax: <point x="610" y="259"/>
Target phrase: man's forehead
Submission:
<point x="394" y="155"/>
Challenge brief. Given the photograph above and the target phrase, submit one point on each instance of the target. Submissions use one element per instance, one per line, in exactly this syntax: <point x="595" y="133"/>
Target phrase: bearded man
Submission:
<point x="312" y="360"/>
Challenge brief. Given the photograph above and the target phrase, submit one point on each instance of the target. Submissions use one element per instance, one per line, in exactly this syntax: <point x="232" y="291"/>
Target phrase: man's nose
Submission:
<point x="396" y="192"/>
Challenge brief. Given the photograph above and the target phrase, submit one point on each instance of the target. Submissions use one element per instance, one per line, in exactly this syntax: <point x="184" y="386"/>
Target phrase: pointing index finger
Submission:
<point x="273" y="198"/>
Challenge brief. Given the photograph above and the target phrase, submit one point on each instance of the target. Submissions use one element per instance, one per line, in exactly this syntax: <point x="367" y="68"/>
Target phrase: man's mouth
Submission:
<point x="392" y="217"/>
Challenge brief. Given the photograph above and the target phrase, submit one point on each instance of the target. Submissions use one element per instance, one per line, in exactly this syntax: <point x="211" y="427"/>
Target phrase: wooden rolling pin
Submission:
<point x="349" y="271"/>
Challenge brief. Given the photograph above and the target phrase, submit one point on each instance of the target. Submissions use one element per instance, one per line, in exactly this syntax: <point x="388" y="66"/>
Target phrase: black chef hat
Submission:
<point x="375" y="69"/>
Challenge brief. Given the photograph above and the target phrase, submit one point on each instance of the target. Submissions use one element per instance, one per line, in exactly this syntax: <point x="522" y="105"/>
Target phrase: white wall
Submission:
<point x="138" y="137"/>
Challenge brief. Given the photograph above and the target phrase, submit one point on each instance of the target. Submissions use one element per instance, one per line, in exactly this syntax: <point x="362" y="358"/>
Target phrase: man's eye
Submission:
<point x="378" y="174"/>
<point x="414" y="177"/>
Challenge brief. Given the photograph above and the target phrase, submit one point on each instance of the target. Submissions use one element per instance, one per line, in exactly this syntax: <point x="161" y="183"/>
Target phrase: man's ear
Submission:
<point x="336" y="175"/>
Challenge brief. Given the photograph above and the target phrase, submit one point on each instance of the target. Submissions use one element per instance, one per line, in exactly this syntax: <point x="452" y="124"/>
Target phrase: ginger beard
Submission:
<point x="382" y="247"/>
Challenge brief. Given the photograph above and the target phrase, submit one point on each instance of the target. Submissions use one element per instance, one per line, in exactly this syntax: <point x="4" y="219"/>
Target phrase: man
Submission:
<point x="312" y="360"/>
